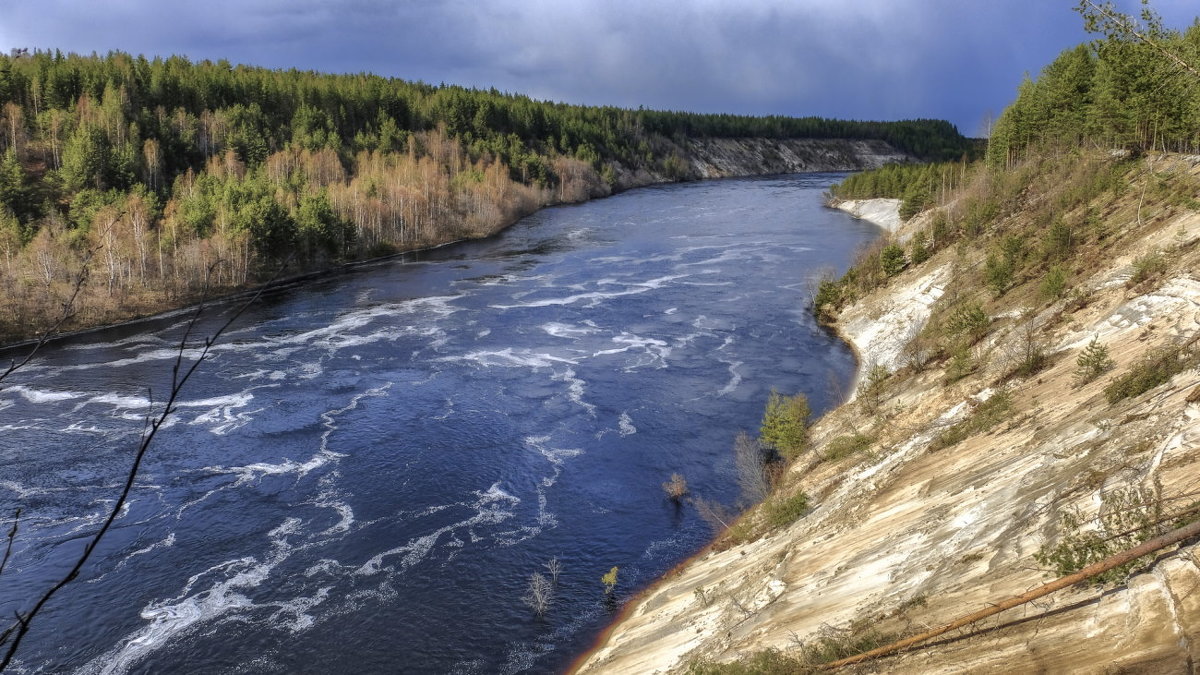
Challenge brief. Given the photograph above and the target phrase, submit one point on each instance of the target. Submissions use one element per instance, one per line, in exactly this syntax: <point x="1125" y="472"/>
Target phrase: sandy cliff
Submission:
<point x="700" y="158"/>
<point x="911" y="536"/>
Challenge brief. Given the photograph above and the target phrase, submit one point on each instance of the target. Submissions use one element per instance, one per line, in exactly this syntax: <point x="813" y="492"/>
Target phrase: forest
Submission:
<point x="1127" y="92"/>
<point x="1119" y="94"/>
<point x="162" y="179"/>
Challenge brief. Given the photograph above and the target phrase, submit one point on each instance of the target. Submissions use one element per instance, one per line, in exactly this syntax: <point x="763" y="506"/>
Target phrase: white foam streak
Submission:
<point x="509" y="357"/>
<point x="595" y="297"/>
<point x="324" y="455"/>
<point x="42" y="395"/>
<point x="735" y="379"/>
<point x="489" y="509"/>
<point x="563" y="330"/>
<point x="171" y="618"/>
<point x="625" y="425"/>
<point x="575" y="389"/>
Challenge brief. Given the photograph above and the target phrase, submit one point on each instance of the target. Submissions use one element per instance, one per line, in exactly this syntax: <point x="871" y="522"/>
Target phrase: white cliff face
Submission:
<point x="909" y="536"/>
<point x="720" y="157"/>
<point x="729" y="157"/>
<point x="881" y="330"/>
<point x="883" y="212"/>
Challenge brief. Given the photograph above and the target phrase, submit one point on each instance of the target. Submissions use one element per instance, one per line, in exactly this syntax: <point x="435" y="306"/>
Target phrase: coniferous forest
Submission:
<point x="1117" y="93"/>
<point x="166" y="179"/>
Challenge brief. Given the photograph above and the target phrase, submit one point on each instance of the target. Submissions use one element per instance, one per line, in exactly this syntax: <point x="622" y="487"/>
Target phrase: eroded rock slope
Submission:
<point x="913" y="534"/>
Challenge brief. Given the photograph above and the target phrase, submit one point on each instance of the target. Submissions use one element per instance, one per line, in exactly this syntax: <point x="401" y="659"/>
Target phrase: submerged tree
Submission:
<point x="540" y="594"/>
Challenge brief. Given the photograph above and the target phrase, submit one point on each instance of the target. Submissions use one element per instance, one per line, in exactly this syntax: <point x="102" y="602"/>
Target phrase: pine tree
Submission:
<point x="1092" y="362"/>
<point x="785" y="423"/>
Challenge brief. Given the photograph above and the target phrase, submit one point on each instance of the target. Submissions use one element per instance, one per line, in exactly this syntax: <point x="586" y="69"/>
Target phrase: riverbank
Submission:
<point x="705" y="158"/>
<point x="941" y="515"/>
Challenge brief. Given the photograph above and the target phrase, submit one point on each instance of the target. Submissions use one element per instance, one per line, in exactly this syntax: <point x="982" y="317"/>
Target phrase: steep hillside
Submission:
<point x="975" y="448"/>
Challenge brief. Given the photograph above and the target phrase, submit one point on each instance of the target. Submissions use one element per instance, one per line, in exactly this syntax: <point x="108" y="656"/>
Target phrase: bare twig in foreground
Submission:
<point x="180" y="374"/>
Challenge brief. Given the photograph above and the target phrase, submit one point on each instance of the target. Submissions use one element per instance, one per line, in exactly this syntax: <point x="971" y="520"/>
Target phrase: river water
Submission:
<point x="369" y="467"/>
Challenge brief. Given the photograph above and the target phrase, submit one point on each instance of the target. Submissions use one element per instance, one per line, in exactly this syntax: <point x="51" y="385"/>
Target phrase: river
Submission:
<point x="370" y="466"/>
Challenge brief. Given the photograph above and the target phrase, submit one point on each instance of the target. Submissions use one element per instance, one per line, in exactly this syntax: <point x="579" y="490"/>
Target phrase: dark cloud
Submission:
<point x="864" y="59"/>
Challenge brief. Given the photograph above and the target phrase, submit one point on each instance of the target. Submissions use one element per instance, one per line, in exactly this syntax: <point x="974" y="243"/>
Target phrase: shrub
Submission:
<point x="1012" y="247"/>
<point x="961" y="365"/>
<point x="1031" y="360"/>
<point x="919" y="249"/>
<point x="1058" y="241"/>
<point x="753" y="473"/>
<point x="997" y="274"/>
<point x="834" y="645"/>
<point x="539" y="595"/>
<point x="891" y="260"/>
<point x="870" y="391"/>
<point x="849" y="444"/>
<point x="979" y="214"/>
<point x="917" y="197"/>
<point x="1030" y="351"/>
<point x="1127" y="518"/>
<point x="610" y="580"/>
<point x="1054" y="284"/>
<point x="830" y="297"/>
<point x="985" y="416"/>
<point x="1146" y="267"/>
<point x="767" y="662"/>
<point x="969" y="322"/>
<point x="940" y="230"/>
<point x="675" y="488"/>
<point x="783" y="511"/>
<point x="1092" y="362"/>
<point x="785" y="423"/>
<point x="1154" y="369"/>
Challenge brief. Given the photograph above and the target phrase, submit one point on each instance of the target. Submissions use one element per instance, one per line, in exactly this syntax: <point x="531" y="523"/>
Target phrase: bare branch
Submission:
<point x="178" y="380"/>
<point x="554" y="567"/>
<point x="12" y="534"/>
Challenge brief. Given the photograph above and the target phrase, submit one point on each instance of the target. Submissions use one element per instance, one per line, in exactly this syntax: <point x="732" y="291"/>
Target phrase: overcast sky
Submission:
<point x="864" y="59"/>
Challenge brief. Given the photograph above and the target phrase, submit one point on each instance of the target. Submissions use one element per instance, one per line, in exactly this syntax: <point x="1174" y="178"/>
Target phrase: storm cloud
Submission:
<point x="861" y="59"/>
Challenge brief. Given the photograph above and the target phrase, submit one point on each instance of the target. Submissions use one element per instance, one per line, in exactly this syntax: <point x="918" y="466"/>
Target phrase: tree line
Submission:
<point x="168" y="176"/>
<point x="919" y="186"/>
<point x="1131" y="90"/>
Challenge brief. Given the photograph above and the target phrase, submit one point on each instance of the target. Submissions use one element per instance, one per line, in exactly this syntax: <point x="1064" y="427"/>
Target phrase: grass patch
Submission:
<point x="783" y="511"/>
<point x="767" y="662"/>
<point x="846" y="445"/>
<point x="986" y="415"/>
<point x="831" y="646"/>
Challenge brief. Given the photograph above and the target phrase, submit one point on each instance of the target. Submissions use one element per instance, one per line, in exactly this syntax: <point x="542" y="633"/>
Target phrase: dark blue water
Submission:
<point x="369" y="468"/>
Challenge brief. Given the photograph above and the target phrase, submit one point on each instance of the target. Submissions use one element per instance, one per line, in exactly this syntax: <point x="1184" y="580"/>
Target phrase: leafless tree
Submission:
<point x="713" y="513"/>
<point x="540" y="593"/>
<point x="753" y="477"/>
<point x="554" y="567"/>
